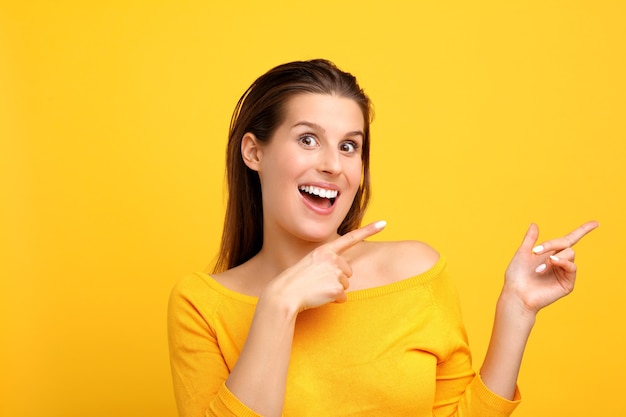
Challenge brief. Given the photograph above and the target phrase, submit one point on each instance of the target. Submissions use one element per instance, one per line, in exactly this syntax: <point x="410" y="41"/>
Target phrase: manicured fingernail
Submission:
<point x="541" y="268"/>
<point x="554" y="258"/>
<point x="537" y="249"/>
<point x="380" y="224"/>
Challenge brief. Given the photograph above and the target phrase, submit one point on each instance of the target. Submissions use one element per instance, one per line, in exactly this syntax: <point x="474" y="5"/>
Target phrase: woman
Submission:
<point x="302" y="316"/>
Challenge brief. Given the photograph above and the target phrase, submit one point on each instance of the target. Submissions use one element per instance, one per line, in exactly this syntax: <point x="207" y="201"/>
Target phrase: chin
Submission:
<point x="317" y="232"/>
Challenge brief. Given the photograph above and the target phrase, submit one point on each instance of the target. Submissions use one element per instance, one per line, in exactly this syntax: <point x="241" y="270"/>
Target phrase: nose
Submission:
<point x="330" y="161"/>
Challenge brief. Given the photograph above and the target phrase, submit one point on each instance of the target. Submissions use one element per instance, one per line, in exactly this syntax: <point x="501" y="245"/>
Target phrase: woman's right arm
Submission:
<point x="260" y="376"/>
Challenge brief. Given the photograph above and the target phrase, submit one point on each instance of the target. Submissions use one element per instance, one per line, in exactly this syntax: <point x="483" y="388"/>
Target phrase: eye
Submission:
<point x="308" y="141"/>
<point x="349" y="146"/>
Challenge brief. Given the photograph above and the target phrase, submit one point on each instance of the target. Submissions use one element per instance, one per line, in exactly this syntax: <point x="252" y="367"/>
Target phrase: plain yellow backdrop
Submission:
<point x="113" y="122"/>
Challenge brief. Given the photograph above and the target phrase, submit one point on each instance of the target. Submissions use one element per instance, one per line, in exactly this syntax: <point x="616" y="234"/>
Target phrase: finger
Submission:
<point x="344" y="266"/>
<point x="566" y="241"/>
<point x="564" y="264"/>
<point x="575" y="235"/>
<point x="530" y="238"/>
<point x="343" y="280"/>
<point x="350" y="239"/>
<point x="558" y="262"/>
<point x="567" y="253"/>
<point x="341" y="298"/>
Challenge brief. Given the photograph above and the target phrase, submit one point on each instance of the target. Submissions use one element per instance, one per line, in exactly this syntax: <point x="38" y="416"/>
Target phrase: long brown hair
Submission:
<point x="260" y="111"/>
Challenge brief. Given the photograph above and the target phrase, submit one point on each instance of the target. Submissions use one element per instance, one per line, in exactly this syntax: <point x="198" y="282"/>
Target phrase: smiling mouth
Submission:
<point x="320" y="197"/>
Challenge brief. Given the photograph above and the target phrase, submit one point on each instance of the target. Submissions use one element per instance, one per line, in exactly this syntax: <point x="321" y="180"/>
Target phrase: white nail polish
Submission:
<point x="541" y="268"/>
<point x="380" y="224"/>
<point x="554" y="258"/>
<point x="537" y="249"/>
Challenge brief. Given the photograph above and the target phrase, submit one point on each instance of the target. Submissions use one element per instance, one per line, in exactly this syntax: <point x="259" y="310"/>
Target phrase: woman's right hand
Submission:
<point x="322" y="276"/>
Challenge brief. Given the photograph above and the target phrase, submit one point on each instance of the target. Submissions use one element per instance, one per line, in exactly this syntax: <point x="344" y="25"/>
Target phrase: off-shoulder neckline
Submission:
<point x="360" y="294"/>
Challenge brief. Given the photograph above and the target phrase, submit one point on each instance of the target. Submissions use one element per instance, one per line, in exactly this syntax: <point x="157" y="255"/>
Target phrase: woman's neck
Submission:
<point x="281" y="251"/>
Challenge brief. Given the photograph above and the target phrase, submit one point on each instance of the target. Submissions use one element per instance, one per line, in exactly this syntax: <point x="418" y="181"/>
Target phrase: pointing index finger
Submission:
<point x="350" y="239"/>
<point x="568" y="240"/>
<point x="575" y="235"/>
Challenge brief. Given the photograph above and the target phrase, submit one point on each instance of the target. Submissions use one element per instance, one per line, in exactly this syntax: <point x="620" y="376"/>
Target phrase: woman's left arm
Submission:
<point x="536" y="277"/>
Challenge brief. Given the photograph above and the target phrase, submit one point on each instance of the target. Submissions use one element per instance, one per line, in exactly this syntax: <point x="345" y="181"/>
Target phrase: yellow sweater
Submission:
<point x="395" y="350"/>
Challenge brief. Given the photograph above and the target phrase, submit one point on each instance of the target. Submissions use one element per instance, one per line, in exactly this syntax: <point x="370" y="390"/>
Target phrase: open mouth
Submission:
<point x="319" y="197"/>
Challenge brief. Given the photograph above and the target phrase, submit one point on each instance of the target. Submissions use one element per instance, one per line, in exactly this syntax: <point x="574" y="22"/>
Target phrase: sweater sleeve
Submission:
<point x="459" y="391"/>
<point x="199" y="370"/>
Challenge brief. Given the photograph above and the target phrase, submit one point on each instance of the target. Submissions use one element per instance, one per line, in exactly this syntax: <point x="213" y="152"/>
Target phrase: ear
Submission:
<point x="251" y="151"/>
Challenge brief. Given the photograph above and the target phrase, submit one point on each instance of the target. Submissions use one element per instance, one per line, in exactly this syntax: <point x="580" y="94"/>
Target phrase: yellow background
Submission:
<point x="113" y="119"/>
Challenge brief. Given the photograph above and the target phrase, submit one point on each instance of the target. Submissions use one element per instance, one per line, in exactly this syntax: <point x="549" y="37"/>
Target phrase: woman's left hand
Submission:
<point x="538" y="275"/>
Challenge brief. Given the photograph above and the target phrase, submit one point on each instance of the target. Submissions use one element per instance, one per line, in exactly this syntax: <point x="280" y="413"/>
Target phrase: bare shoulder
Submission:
<point x="380" y="263"/>
<point x="409" y="257"/>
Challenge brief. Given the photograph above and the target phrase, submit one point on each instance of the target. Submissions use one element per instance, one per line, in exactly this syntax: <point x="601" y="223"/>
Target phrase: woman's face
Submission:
<point x="310" y="169"/>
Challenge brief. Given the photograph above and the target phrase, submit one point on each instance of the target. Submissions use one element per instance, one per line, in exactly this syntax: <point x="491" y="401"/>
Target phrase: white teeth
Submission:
<point x="321" y="192"/>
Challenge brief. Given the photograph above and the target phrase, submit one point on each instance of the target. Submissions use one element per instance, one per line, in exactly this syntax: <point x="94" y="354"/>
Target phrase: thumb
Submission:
<point x="530" y="238"/>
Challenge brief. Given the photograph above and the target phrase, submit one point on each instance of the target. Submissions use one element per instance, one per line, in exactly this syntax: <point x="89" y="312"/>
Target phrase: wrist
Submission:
<point x="272" y="298"/>
<point x="512" y="307"/>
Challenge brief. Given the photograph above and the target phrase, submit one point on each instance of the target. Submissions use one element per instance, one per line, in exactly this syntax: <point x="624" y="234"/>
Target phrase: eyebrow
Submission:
<point x="317" y="127"/>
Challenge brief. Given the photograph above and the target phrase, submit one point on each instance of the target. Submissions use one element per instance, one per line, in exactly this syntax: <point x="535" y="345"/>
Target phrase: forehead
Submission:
<point x="326" y="110"/>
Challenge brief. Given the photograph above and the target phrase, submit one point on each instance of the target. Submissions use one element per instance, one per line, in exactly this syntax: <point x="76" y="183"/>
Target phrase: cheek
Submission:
<point x="281" y="171"/>
<point x="353" y="173"/>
